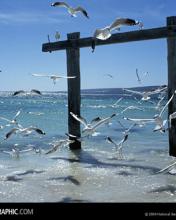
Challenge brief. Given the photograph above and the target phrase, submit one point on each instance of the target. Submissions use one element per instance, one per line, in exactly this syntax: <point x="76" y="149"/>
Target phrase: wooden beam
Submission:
<point x="147" y="34"/>
<point x="171" y="46"/>
<point x="73" y="69"/>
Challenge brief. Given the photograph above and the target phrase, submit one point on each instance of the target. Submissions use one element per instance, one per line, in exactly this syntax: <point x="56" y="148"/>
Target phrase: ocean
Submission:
<point x="94" y="173"/>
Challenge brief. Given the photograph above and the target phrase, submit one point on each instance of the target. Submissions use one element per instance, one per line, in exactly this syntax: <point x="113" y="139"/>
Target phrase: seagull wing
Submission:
<point x="132" y="91"/>
<point x="61" y="4"/>
<point x="17" y="114"/>
<point x="9" y="134"/>
<point x="101" y="122"/>
<point x="117" y="24"/>
<point x="96" y="120"/>
<point x="5" y="119"/>
<point x="55" y="147"/>
<point x="40" y="75"/>
<point x="36" y="91"/>
<point x="39" y="131"/>
<point x="137" y="74"/>
<point x="18" y="92"/>
<point x="66" y="77"/>
<point x="80" y="9"/>
<point x="162" y="111"/>
<point x="80" y="119"/>
<point x="111" y="141"/>
<point x="167" y="168"/>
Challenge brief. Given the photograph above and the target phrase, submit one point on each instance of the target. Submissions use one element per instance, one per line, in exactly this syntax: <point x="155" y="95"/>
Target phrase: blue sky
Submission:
<point x="25" y="24"/>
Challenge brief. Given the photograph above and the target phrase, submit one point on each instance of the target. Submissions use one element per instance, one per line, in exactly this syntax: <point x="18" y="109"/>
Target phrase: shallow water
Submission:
<point x="93" y="174"/>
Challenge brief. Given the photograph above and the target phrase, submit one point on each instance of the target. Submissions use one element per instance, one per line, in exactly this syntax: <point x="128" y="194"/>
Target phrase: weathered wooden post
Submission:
<point x="171" y="46"/>
<point x="74" y="97"/>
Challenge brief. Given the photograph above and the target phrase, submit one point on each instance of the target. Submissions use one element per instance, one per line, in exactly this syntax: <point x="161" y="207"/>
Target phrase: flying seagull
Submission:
<point x="54" y="77"/>
<point x="146" y="94"/>
<point x="32" y="92"/>
<point x="160" y="123"/>
<point x="25" y="131"/>
<point x="118" y="145"/>
<point x="12" y="121"/>
<point x="15" y="152"/>
<point x="167" y="168"/>
<point x="137" y="74"/>
<point x="89" y="129"/>
<point x="59" y="144"/>
<point x="71" y="10"/>
<point x="105" y="33"/>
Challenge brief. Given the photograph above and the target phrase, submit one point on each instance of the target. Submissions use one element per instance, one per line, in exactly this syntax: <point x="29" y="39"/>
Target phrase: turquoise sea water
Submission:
<point x="93" y="174"/>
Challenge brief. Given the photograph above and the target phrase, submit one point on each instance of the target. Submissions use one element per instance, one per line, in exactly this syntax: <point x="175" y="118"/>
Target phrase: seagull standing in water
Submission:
<point x="54" y="77"/>
<point x="89" y="129"/>
<point x="71" y="10"/>
<point x="118" y="145"/>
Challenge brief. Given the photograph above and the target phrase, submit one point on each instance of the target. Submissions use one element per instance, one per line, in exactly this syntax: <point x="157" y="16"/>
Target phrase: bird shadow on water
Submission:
<point x="84" y="157"/>
<point x="70" y="178"/>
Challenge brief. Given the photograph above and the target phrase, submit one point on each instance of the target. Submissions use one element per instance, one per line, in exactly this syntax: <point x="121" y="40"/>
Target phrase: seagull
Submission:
<point x="25" y="131"/>
<point x="90" y="128"/>
<point x="15" y="152"/>
<point x="105" y="33"/>
<point x="13" y="121"/>
<point x="160" y="123"/>
<point x="138" y="78"/>
<point x="140" y="121"/>
<point x="54" y="77"/>
<point x="58" y="144"/>
<point x="167" y="168"/>
<point x="57" y="35"/>
<point x="71" y="10"/>
<point x="32" y="92"/>
<point x="126" y="131"/>
<point x="146" y="94"/>
<point x="131" y="107"/>
<point x="115" y="105"/>
<point x="118" y="145"/>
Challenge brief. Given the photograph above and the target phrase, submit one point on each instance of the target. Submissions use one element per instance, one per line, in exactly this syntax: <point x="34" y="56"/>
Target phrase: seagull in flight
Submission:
<point x="71" y="10"/>
<point x="139" y="121"/>
<point x="24" y="131"/>
<point x="167" y="168"/>
<point x="105" y="33"/>
<point x="13" y="121"/>
<point x="32" y="92"/>
<point x="118" y="145"/>
<point x="138" y="78"/>
<point x="15" y="152"/>
<point x="54" y="77"/>
<point x="126" y="131"/>
<point x="58" y="144"/>
<point x="89" y="129"/>
<point x="146" y="94"/>
<point x="160" y="123"/>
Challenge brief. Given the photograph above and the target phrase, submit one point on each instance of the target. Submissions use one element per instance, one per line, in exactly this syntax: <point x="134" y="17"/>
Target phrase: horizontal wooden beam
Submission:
<point x="147" y="34"/>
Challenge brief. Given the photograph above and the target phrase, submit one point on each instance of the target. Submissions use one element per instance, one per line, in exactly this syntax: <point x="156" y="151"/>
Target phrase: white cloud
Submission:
<point x="34" y="17"/>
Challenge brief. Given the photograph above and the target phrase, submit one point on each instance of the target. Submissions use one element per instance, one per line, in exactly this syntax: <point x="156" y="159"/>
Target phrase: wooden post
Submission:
<point x="73" y="69"/>
<point x="171" y="46"/>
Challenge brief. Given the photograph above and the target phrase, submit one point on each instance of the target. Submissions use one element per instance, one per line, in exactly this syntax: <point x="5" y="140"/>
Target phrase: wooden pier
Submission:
<point x="72" y="46"/>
